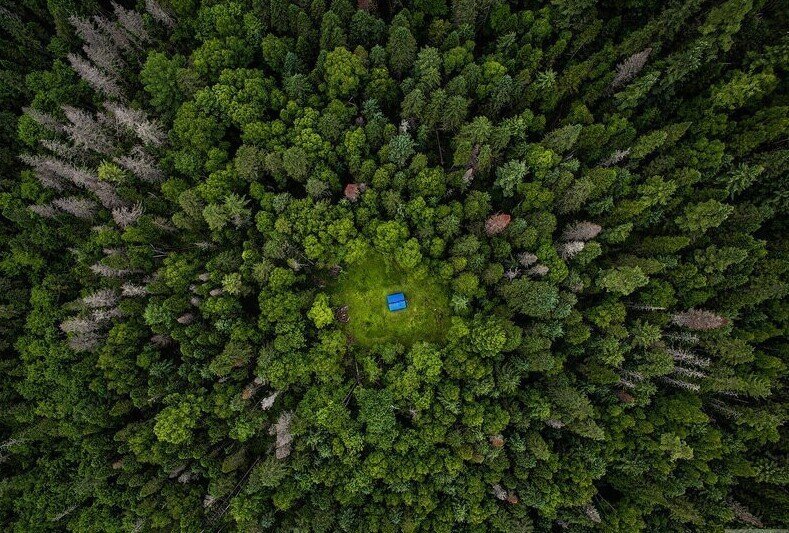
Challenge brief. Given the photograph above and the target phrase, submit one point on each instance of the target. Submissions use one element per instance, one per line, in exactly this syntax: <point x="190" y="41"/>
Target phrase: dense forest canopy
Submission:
<point x="205" y="203"/>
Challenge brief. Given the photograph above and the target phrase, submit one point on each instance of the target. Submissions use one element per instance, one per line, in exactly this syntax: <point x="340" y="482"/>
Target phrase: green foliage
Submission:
<point x="205" y="204"/>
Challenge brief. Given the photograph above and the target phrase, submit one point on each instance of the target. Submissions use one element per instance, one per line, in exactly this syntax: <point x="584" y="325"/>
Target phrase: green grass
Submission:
<point x="363" y="288"/>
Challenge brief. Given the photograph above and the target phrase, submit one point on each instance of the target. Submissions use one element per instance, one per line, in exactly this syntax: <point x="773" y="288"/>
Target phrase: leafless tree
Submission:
<point x="107" y="195"/>
<point x="131" y="22"/>
<point x="689" y="373"/>
<point x="101" y="298"/>
<point x="86" y="132"/>
<point x="43" y="210"/>
<point x="615" y="158"/>
<point x="186" y="319"/>
<point x="495" y="224"/>
<point x="148" y="131"/>
<point x="94" y="77"/>
<point x="556" y="424"/>
<point x="538" y="270"/>
<point x="63" y="513"/>
<point x="527" y="259"/>
<point x="99" y="47"/>
<point x="581" y="231"/>
<point x="159" y="14"/>
<point x="284" y="438"/>
<point x="163" y="224"/>
<point x="468" y="176"/>
<point x="630" y="67"/>
<point x="84" y="342"/>
<point x="108" y="272"/>
<point x="681" y="384"/>
<point x="512" y="273"/>
<point x="568" y="250"/>
<point x="54" y="166"/>
<point x="102" y="315"/>
<point x="125" y="216"/>
<point x="130" y="290"/>
<point x="141" y="165"/>
<point x="44" y="172"/>
<point x="43" y="119"/>
<point x="269" y="400"/>
<point x="78" y="207"/>
<point x="114" y="32"/>
<point x="499" y="492"/>
<point x="699" y="319"/>
<point x="689" y="358"/>
<point x="645" y="307"/>
<point x="78" y="325"/>
<point x="161" y="341"/>
<point x="59" y="149"/>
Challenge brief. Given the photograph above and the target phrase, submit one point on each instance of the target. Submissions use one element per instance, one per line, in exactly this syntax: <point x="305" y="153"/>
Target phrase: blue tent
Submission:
<point x="396" y="301"/>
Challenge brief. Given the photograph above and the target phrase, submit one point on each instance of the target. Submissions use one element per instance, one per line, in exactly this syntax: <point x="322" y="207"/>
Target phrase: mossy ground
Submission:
<point x="363" y="288"/>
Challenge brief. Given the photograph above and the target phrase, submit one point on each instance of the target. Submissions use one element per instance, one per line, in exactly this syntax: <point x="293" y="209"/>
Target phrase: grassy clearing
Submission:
<point x="363" y="288"/>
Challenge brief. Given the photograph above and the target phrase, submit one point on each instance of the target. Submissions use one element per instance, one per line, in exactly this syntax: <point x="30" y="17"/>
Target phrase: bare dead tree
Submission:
<point x="284" y="438"/>
<point x="43" y="210"/>
<point x="58" y="148"/>
<point x="148" y="131"/>
<point x="84" y="342"/>
<point x="114" y="32"/>
<point x="581" y="231"/>
<point x="538" y="270"/>
<point x="125" y="216"/>
<point x="186" y="319"/>
<point x="102" y="315"/>
<point x="108" y="272"/>
<point x="495" y="224"/>
<point x="99" y="47"/>
<point x="689" y="373"/>
<point x="78" y="325"/>
<point x="570" y="249"/>
<point x="689" y="358"/>
<point x="616" y="157"/>
<point x="43" y="119"/>
<point x="141" y="165"/>
<point x="94" y="77"/>
<point x="269" y="400"/>
<point x="132" y="22"/>
<point x="106" y="194"/>
<point x="54" y="166"/>
<point x="512" y="273"/>
<point x="630" y="67"/>
<point x="86" y="132"/>
<point x="101" y="298"/>
<point x="63" y="513"/>
<point x="44" y="173"/>
<point x="699" y="319"/>
<point x="680" y="384"/>
<point x="527" y="259"/>
<point x="159" y="14"/>
<point x="131" y="290"/>
<point x="78" y="207"/>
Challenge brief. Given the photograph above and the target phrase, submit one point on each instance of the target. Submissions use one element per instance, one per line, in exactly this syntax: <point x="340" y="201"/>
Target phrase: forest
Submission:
<point x="204" y="205"/>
